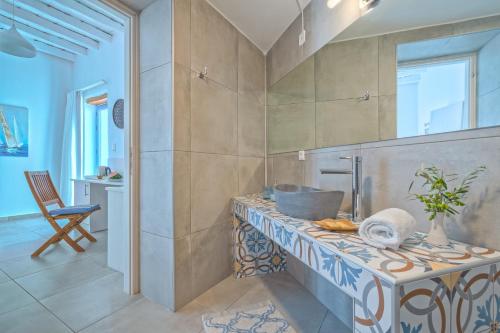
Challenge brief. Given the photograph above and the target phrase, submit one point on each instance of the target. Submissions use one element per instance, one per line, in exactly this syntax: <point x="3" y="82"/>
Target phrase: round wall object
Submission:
<point x="118" y="113"/>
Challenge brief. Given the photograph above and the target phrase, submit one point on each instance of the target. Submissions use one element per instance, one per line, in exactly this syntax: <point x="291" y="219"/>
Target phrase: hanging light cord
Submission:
<point x="301" y="13"/>
<point x="13" y="11"/>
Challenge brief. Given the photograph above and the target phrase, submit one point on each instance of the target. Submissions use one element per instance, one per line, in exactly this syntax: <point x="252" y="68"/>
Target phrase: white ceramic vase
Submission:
<point x="437" y="234"/>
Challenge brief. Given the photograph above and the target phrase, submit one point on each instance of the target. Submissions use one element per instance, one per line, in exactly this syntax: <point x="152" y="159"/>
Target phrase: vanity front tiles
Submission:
<point x="372" y="277"/>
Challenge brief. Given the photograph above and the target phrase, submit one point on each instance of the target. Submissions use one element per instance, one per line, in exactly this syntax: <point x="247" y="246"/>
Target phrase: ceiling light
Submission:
<point x="332" y="3"/>
<point x="13" y="43"/>
<point x="367" y="6"/>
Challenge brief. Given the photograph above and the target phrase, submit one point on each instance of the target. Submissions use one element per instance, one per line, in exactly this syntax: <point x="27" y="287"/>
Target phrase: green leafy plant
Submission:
<point x="440" y="196"/>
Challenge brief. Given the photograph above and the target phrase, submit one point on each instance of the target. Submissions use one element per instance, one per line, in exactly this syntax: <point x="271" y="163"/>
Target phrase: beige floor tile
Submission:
<point x="13" y="297"/>
<point x="82" y="306"/>
<point x="333" y="324"/>
<point x="53" y="256"/>
<point x="222" y="295"/>
<point x="49" y="282"/>
<point x="19" y="249"/>
<point x="32" y="318"/>
<point x="303" y="311"/>
<point x="145" y="316"/>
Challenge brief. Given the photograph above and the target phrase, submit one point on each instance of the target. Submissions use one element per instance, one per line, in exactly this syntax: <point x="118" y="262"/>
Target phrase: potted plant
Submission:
<point x="440" y="199"/>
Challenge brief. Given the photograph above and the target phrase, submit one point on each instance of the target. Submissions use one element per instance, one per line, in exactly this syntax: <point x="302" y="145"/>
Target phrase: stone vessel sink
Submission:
<point x="307" y="202"/>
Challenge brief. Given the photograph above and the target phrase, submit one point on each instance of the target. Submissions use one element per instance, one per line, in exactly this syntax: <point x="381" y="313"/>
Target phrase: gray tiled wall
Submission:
<point x="219" y="141"/>
<point x="388" y="166"/>
<point x="156" y="159"/>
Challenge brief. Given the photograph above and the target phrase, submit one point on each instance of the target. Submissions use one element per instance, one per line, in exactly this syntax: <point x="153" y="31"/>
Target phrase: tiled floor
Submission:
<point x="63" y="291"/>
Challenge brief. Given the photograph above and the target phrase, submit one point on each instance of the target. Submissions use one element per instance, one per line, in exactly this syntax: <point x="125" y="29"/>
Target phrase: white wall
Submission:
<point x="40" y="84"/>
<point x="488" y="81"/>
<point x="108" y="64"/>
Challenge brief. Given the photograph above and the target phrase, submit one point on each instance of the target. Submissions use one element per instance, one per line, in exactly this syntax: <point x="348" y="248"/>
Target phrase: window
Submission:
<point x="436" y="96"/>
<point x="95" y="134"/>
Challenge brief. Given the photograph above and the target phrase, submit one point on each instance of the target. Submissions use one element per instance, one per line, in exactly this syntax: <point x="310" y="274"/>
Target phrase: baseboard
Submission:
<point x="20" y="217"/>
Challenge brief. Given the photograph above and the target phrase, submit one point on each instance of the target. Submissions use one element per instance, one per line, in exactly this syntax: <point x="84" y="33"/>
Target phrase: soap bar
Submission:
<point x="336" y="225"/>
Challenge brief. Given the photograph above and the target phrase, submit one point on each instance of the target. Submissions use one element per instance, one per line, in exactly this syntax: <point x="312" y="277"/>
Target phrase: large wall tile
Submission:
<point x="183" y="272"/>
<point x="331" y="160"/>
<point x="295" y="87"/>
<point x="182" y="32"/>
<point x="346" y="122"/>
<point x="284" y="55"/>
<point x="214" y="43"/>
<point x="155" y="35"/>
<point x="287" y="169"/>
<point x="182" y="108"/>
<point x="157" y="269"/>
<point x="251" y="126"/>
<point x="156" y="109"/>
<point x="214" y="181"/>
<point x="182" y="193"/>
<point x="321" y="25"/>
<point x="211" y="256"/>
<point x="347" y="69"/>
<point x="291" y="127"/>
<point x="389" y="170"/>
<point x="387" y="117"/>
<point x="251" y="70"/>
<point x="251" y="175"/>
<point x="156" y="193"/>
<point x="214" y="120"/>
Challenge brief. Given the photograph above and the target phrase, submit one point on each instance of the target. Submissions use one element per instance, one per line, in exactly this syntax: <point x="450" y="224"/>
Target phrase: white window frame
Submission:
<point x="472" y="58"/>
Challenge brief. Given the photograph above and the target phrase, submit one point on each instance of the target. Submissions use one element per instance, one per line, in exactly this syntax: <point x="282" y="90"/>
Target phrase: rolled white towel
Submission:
<point x="387" y="228"/>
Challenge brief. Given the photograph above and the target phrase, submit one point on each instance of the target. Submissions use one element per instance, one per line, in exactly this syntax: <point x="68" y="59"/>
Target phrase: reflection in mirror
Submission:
<point x="419" y="82"/>
<point x="442" y="84"/>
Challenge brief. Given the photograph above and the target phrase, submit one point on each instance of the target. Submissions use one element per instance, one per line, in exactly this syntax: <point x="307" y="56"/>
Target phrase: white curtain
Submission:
<point x="71" y="146"/>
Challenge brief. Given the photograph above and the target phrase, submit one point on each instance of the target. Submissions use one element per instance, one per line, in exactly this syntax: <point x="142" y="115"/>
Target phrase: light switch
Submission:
<point x="113" y="147"/>
<point x="302" y="155"/>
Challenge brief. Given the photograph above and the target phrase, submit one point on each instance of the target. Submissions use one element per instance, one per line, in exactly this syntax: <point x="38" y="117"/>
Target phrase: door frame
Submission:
<point x="131" y="133"/>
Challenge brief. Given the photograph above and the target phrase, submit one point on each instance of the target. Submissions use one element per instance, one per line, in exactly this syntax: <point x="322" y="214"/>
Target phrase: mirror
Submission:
<point x="446" y="84"/>
<point x="409" y="83"/>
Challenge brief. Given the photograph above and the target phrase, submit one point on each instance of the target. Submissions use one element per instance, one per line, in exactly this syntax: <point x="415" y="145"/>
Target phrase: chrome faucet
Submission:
<point x="356" y="183"/>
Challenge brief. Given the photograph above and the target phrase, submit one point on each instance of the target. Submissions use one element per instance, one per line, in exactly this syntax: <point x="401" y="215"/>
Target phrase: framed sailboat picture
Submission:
<point x="13" y="131"/>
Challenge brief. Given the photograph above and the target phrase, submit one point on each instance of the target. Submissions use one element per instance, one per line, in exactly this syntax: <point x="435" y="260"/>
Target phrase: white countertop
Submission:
<point x="98" y="181"/>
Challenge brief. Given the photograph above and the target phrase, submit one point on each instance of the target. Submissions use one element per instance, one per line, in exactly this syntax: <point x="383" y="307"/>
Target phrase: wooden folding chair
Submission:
<point x="45" y="194"/>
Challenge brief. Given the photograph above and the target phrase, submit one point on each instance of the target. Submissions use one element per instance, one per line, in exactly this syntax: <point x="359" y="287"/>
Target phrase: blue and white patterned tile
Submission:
<point x="254" y="253"/>
<point x="413" y="261"/>
<point x="473" y="300"/>
<point x="425" y="306"/>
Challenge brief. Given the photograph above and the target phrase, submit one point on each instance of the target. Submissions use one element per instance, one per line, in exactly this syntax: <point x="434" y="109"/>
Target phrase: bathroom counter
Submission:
<point x="396" y="291"/>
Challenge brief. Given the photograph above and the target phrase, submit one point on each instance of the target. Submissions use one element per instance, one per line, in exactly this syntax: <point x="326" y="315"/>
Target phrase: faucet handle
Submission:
<point x="345" y="157"/>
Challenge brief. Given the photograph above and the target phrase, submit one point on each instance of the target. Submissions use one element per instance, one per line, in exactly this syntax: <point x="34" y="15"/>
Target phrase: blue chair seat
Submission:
<point x="70" y="210"/>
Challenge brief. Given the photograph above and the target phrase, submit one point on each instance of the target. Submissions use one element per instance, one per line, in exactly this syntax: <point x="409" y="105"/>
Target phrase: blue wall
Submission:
<point x="40" y="84"/>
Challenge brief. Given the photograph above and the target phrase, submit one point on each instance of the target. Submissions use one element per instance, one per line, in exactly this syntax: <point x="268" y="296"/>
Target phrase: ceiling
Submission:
<point x="63" y="28"/>
<point x="397" y="15"/>
<point x="261" y="21"/>
<point x="137" y="5"/>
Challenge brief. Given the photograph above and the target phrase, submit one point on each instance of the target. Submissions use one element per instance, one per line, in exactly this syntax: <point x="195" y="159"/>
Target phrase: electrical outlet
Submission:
<point x="302" y="155"/>
<point x="113" y="147"/>
<point x="302" y="38"/>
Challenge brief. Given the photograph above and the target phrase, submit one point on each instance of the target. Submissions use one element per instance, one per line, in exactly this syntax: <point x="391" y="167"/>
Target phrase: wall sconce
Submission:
<point x="367" y="6"/>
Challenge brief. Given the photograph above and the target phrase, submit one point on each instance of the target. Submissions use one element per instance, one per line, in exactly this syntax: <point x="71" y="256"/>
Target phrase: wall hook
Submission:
<point x="365" y="97"/>
<point x="203" y="75"/>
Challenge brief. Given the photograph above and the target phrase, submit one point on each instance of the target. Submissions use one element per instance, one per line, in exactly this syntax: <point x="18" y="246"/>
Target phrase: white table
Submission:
<point x="116" y="228"/>
<point x="418" y="288"/>
<point x="91" y="191"/>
